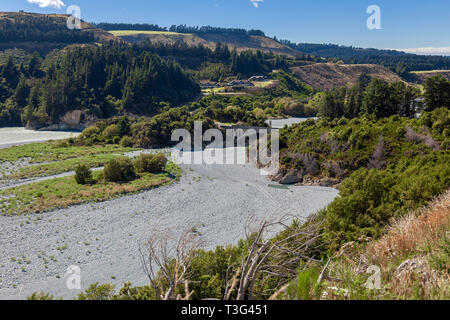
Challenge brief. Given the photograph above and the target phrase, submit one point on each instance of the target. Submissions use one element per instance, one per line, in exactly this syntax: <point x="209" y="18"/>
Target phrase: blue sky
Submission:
<point x="405" y="23"/>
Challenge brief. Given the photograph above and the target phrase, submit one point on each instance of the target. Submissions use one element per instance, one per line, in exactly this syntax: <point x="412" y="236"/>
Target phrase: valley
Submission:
<point x="91" y="177"/>
<point x="104" y="238"/>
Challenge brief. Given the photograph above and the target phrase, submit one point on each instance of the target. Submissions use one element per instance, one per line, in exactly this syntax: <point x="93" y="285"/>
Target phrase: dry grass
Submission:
<point x="412" y="233"/>
<point x="413" y="255"/>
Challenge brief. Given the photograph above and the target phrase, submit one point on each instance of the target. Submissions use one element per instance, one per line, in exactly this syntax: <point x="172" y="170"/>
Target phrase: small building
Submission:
<point x="258" y="79"/>
<point x="209" y="85"/>
<point x="240" y="83"/>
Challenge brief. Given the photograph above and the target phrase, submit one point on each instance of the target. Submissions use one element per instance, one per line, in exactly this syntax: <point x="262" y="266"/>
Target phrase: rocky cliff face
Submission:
<point x="75" y="120"/>
<point x="300" y="178"/>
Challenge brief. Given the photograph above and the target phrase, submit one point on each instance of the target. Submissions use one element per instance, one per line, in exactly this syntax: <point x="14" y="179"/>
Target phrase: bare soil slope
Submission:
<point x="327" y="76"/>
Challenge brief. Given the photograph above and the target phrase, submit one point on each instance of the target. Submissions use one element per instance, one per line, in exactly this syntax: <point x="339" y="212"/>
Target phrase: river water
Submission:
<point x="16" y="136"/>
<point x="280" y="123"/>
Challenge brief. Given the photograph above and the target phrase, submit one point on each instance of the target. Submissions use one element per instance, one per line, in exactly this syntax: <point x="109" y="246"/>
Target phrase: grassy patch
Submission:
<point x="119" y="33"/>
<point x="55" y="151"/>
<point x="263" y="84"/>
<point x="430" y="71"/>
<point x="58" y="167"/>
<point x="213" y="90"/>
<point x="63" y="192"/>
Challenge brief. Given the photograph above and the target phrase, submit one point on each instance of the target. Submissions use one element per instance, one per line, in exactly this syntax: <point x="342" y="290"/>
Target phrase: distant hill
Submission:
<point x="397" y="61"/>
<point x="337" y="51"/>
<point x="45" y="32"/>
<point x="241" y="42"/>
<point x="327" y="76"/>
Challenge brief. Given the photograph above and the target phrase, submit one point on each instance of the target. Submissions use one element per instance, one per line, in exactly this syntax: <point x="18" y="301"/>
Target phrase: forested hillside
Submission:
<point x="44" y="33"/>
<point x="100" y="81"/>
<point x="337" y="51"/>
<point x="220" y="62"/>
<point x="19" y="27"/>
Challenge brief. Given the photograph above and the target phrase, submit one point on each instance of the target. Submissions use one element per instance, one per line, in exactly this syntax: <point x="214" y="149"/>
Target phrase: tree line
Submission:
<point x="129" y="26"/>
<point x="215" y="30"/>
<point x="182" y="28"/>
<point x="378" y="98"/>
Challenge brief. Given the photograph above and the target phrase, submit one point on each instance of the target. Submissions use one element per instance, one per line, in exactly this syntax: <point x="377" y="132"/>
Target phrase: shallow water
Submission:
<point x="280" y="123"/>
<point x="16" y="136"/>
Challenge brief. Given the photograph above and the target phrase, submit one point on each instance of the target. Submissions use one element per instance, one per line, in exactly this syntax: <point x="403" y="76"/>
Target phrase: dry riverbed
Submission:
<point x="103" y="238"/>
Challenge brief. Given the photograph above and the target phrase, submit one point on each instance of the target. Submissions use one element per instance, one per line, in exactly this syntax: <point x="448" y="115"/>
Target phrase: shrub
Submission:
<point x="152" y="163"/>
<point x="126" y="142"/>
<point x="119" y="170"/>
<point x="306" y="286"/>
<point x="111" y="131"/>
<point x="97" y="292"/>
<point x="83" y="175"/>
<point x="89" y="132"/>
<point x="40" y="296"/>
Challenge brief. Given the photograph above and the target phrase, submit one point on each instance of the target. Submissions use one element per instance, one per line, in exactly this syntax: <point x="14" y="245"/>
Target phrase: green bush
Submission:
<point x="111" y="131"/>
<point x="152" y="163"/>
<point x="83" y="175"/>
<point x="119" y="170"/>
<point x="306" y="286"/>
<point x="89" y="132"/>
<point x="97" y="292"/>
<point x="126" y="142"/>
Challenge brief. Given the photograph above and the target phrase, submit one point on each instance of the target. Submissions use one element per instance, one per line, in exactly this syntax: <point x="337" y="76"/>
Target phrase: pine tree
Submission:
<point x="437" y="93"/>
<point x="34" y="65"/>
<point x="21" y="93"/>
<point x="10" y="72"/>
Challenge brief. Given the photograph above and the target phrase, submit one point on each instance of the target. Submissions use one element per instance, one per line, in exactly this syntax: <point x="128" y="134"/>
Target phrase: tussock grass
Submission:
<point x="413" y="233"/>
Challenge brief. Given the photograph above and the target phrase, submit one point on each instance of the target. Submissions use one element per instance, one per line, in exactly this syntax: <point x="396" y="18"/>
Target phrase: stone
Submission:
<point x="292" y="177"/>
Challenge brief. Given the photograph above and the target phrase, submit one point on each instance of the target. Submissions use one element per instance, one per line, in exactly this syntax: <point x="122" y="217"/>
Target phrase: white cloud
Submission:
<point x="256" y="2"/>
<point x="434" y="51"/>
<point x="48" y="3"/>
